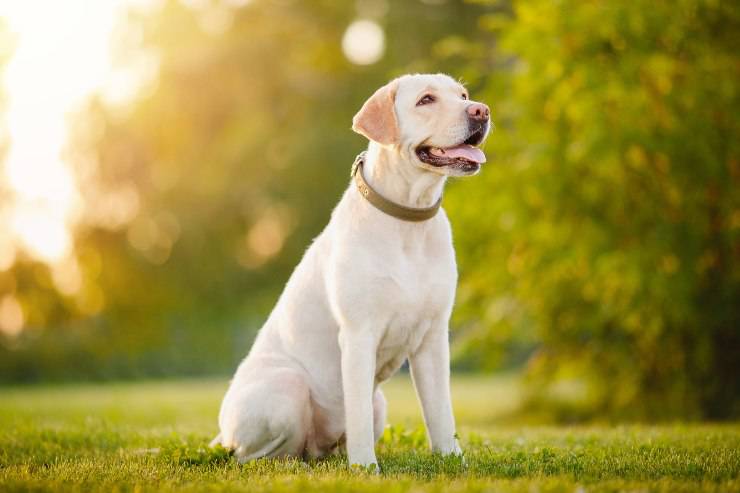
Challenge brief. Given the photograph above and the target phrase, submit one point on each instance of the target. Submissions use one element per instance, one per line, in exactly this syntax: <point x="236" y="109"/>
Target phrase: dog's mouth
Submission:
<point x="465" y="156"/>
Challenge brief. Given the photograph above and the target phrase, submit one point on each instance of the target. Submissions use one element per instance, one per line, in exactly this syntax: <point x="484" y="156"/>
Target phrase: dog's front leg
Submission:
<point x="430" y="370"/>
<point x="358" y="377"/>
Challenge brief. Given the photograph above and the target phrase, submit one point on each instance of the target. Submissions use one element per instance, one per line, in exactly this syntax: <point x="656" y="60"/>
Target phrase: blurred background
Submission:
<point x="164" y="164"/>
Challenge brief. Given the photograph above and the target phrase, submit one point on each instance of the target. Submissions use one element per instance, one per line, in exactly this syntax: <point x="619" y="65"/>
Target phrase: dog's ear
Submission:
<point x="376" y="120"/>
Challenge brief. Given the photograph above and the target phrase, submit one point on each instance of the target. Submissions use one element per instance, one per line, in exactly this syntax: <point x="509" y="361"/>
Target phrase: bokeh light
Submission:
<point x="11" y="315"/>
<point x="363" y="42"/>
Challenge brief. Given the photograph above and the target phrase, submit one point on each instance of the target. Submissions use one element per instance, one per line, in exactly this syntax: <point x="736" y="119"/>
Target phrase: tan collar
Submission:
<point x="388" y="206"/>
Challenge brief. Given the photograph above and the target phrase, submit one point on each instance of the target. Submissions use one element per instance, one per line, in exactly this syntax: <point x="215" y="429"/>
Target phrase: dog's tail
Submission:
<point x="215" y="441"/>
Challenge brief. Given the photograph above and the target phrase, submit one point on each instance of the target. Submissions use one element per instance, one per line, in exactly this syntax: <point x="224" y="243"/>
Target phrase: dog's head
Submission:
<point x="430" y="120"/>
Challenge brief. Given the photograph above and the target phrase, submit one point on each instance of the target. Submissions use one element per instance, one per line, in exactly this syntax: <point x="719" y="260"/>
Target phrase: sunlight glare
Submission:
<point x="61" y="56"/>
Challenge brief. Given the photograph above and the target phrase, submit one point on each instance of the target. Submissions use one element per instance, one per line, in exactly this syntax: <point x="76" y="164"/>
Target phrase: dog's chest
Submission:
<point x="416" y="291"/>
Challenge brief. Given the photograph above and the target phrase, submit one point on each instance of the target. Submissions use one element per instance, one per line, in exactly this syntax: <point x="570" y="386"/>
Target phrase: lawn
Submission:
<point x="153" y="435"/>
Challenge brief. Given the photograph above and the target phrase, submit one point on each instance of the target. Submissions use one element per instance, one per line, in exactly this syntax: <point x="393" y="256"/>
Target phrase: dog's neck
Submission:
<point x="391" y="175"/>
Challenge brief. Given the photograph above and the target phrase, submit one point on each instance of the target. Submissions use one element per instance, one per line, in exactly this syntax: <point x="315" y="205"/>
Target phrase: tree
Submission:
<point x="604" y="232"/>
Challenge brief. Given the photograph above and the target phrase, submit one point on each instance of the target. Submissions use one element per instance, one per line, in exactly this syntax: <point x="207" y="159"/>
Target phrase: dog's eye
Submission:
<point x="428" y="98"/>
<point x="465" y="96"/>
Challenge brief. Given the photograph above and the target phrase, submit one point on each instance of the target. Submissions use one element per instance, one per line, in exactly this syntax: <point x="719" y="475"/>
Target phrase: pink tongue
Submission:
<point x="464" y="151"/>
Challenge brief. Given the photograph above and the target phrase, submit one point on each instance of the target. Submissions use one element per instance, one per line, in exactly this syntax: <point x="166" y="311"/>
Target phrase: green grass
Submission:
<point x="151" y="436"/>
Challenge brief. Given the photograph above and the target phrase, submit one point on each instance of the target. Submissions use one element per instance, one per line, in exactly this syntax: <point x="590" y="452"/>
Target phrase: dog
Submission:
<point x="374" y="289"/>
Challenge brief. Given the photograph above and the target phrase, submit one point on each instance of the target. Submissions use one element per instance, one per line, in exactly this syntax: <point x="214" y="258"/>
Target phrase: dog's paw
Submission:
<point x="371" y="468"/>
<point x="457" y="452"/>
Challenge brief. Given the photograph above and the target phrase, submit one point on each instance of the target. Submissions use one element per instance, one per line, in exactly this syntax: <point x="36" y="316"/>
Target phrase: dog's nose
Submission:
<point x="478" y="111"/>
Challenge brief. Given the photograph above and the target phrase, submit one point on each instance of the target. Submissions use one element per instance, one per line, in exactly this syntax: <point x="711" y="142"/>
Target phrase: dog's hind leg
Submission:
<point x="269" y="418"/>
<point x="278" y="447"/>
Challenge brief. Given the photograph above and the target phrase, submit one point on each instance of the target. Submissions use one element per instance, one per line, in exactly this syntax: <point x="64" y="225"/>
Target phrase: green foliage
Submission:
<point x="153" y="436"/>
<point x="603" y="234"/>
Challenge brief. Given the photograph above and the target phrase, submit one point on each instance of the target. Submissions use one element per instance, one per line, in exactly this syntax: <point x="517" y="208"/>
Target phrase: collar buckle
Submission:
<point x="359" y="161"/>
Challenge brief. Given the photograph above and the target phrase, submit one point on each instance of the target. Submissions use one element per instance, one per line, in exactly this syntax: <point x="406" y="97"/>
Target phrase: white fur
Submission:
<point x="370" y="292"/>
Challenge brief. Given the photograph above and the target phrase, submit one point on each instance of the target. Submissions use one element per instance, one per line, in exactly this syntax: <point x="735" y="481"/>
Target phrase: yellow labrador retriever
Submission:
<point x="376" y="287"/>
